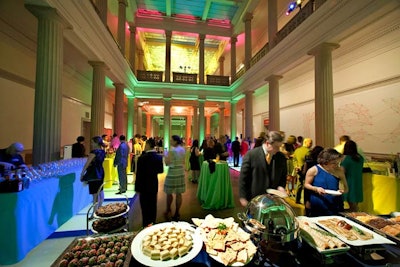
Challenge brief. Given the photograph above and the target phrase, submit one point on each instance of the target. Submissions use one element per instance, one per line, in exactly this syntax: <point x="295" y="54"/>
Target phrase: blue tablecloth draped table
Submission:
<point x="30" y="216"/>
<point x="215" y="189"/>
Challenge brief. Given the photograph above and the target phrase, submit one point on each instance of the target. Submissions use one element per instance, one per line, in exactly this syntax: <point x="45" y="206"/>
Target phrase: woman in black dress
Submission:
<point x="194" y="161"/>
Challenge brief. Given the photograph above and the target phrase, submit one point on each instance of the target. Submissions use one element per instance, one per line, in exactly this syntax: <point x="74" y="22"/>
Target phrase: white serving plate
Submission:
<point x="333" y="192"/>
<point x="137" y="252"/>
<point x="377" y="239"/>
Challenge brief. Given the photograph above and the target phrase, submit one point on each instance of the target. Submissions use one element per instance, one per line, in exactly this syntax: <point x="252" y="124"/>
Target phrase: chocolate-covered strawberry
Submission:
<point x="119" y="263"/>
<point x="73" y="263"/>
<point x="63" y="263"/>
<point x="92" y="253"/>
<point x="93" y="261"/>
<point x="113" y="257"/>
<point x="68" y="256"/>
<point x="101" y="259"/>
<point x="83" y="261"/>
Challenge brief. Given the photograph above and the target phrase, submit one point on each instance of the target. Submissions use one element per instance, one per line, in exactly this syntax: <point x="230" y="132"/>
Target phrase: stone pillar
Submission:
<point x="233" y="59"/>
<point x="139" y="123"/>
<point x="324" y="110"/>
<point x="167" y="121"/>
<point x="102" y="8"/>
<point x="148" y="125"/>
<point x="274" y="107"/>
<point x="119" y="109"/>
<point x="156" y="128"/>
<point x="168" y="36"/>
<point x="222" y="119"/>
<point x="208" y="124"/>
<point x="201" y="119"/>
<point x="196" y="124"/>
<point x="188" y="127"/>
<point x="248" y="114"/>
<point x="140" y="60"/>
<point x="98" y="98"/>
<point x="131" y="113"/>
<point x="201" y="58"/>
<point x="247" y="40"/>
<point x="121" y="24"/>
<point x="221" y="66"/>
<point x="233" y="119"/>
<point x="132" y="47"/>
<point x="272" y="22"/>
<point x="48" y="85"/>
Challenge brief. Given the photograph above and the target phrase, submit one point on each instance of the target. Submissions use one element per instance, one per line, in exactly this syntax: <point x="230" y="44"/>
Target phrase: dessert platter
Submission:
<point x="111" y="210"/>
<point x="109" y="225"/>
<point x="166" y="244"/>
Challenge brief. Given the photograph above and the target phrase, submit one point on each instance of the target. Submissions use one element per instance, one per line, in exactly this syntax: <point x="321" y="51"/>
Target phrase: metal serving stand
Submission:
<point x="91" y="216"/>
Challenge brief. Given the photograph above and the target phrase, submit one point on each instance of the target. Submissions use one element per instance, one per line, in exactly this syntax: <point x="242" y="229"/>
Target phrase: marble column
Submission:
<point x="201" y="118"/>
<point x="132" y="47"/>
<point x="48" y="85"/>
<point x="222" y="119"/>
<point x="272" y="22"/>
<point x="196" y="123"/>
<point x="131" y="113"/>
<point x="324" y="109"/>
<point x="233" y="119"/>
<point x="119" y="109"/>
<point x="148" y="125"/>
<point x="233" y="59"/>
<point x="188" y="127"/>
<point x="168" y="36"/>
<point x="201" y="58"/>
<point x="247" y="40"/>
<point x="102" y="8"/>
<point x="221" y="61"/>
<point x="121" y="24"/>
<point x="208" y="125"/>
<point x="274" y="107"/>
<point x="167" y="121"/>
<point x="248" y="129"/>
<point x="98" y="98"/>
<point x="139" y="124"/>
<point x="140" y="65"/>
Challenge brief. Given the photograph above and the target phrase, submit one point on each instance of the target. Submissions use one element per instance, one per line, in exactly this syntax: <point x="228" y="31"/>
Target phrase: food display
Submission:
<point x="166" y="244"/>
<point x="108" y="250"/>
<point x="320" y="239"/>
<point x="108" y="225"/>
<point x="390" y="226"/>
<point x="350" y="232"/>
<point x="111" y="210"/>
<point x="225" y="241"/>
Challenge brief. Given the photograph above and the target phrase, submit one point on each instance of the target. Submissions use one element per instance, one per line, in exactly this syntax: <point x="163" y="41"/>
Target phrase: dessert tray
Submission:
<point x="153" y="258"/>
<point x="114" y="214"/>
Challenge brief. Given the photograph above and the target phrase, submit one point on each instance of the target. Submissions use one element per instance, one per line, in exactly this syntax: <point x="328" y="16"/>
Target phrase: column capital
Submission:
<point x="132" y="27"/>
<point x="249" y="93"/>
<point x="202" y="36"/>
<point x="221" y="59"/>
<point x="234" y="101"/>
<point x="97" y="63"/>
<point x="45" y="12"/>
<point x="122" y="2"/>
<point x="233" y="39"/>
<point x="168" y="33"/>
<point x="202" y="99"/>
<point x="119" y="85"/>
<point x="273" y="77"/>
<point x="322" y="47"/>
<point x="248" y="17"/>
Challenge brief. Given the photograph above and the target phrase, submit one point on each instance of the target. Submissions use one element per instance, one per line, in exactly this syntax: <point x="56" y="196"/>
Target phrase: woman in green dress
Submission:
<point x="353" y="166"/>
<point x="175" y="180"/>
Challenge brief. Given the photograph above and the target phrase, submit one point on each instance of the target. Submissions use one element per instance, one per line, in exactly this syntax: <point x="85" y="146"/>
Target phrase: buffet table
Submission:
<point x="381" y="194"/>
<point x="30" y="216"/>
<point x="215" y="189"/>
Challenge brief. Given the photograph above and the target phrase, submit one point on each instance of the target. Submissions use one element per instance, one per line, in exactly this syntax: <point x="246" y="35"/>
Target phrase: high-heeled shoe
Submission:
<point x="176" y="217"/>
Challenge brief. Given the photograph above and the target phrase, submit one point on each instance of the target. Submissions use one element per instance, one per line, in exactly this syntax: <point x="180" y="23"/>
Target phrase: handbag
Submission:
<point x="90" y="174"/>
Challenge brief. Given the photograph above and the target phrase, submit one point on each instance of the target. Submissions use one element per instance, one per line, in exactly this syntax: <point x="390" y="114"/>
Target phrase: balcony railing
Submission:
<point x="218" y="80"/>
<point x="150" y="76"/>
<point x="184" y="77"/>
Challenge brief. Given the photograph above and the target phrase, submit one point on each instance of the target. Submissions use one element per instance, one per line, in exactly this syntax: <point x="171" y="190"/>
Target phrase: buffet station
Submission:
<point x="266" y="233"/>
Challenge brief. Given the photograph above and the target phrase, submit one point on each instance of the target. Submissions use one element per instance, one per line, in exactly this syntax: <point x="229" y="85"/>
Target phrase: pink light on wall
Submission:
<point x="146" y="13"/>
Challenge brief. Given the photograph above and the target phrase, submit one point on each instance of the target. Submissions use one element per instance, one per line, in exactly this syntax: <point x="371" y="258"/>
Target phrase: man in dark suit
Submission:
<point x="149" y="165"/>
<point x="121" y="161"/>
<point x="262" y="168"/>
<point x="235" y="146"/>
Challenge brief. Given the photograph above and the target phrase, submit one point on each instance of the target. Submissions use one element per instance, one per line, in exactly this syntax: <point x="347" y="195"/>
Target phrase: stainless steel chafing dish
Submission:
<point x="269" y="218"/>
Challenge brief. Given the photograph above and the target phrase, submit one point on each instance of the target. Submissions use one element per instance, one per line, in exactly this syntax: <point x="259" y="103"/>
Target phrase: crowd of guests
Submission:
<point x="293" y="166"/>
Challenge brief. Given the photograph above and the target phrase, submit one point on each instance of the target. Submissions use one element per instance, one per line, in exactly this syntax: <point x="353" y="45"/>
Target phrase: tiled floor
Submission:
<point x="48" y="251"/>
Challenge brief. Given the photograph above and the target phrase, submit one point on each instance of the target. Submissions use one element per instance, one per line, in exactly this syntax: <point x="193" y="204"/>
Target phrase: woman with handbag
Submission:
<point x="93" y="171"/>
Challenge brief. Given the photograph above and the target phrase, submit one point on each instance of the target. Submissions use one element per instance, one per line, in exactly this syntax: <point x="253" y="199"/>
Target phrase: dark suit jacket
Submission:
<point x="149" y="165"/>
<point x="256" y="176"/>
